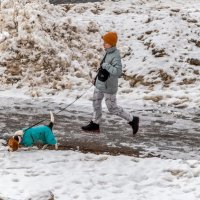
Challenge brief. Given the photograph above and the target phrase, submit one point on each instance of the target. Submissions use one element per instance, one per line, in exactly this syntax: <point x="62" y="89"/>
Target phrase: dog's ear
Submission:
<point x="16" y="138"/>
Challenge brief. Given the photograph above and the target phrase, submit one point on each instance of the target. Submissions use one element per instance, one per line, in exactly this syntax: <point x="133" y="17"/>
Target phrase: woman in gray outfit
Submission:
<point x="106" y="85"/>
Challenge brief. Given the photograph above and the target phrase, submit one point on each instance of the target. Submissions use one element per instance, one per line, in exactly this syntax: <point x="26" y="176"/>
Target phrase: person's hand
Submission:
<point x="104" y="65"/>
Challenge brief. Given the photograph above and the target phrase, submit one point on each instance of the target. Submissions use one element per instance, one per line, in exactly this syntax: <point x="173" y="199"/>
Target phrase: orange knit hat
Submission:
<point x="110" y="38"/>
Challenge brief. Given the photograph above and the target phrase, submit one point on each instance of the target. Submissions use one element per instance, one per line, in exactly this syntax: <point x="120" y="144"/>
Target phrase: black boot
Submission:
<point x="135" y="124"/>
<point x="91" y="127"/>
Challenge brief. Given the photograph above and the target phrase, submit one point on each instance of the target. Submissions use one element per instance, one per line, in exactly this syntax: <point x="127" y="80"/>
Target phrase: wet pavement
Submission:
<point x="162" y="133"/>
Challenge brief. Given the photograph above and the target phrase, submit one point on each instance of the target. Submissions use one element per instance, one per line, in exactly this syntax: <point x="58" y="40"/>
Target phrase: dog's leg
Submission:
<point x="44" y="147"/>
<point x="56" y="146"/>
<point x="28" y="149"/>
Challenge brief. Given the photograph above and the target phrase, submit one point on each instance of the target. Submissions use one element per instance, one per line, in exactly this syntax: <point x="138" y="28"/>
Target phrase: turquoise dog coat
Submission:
<point x="38" y="134"/>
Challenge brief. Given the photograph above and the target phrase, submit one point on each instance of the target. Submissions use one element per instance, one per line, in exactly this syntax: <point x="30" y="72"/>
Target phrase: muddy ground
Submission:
<point x="162" y="133"/>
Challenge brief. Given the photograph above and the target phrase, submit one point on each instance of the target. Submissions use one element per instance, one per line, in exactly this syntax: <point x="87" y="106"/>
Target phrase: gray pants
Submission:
<point x="111" y="103"/>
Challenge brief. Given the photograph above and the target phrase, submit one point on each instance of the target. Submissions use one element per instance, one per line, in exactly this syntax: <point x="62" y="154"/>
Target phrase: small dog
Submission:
<point x="29" y="137"/>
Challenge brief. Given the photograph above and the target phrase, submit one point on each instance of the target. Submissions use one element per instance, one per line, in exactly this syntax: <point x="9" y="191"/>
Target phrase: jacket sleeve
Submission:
<point x="28" y="142"/>
<point x="51" y="140"/>
<point x="115" y="68"/>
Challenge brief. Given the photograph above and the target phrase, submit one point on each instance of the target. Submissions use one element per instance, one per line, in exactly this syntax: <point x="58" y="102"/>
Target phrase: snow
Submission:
<point x="70" y="175"/>
<point x="50" y="52"/>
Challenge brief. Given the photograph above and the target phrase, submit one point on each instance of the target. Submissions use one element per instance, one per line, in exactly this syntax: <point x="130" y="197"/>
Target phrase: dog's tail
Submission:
<point x="52" y="117"/>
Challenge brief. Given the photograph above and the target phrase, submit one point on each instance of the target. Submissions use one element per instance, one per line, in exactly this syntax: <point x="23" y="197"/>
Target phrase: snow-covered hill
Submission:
<point x="46" y="49"/>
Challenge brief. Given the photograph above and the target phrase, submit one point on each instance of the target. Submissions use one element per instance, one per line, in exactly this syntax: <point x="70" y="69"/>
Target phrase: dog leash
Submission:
<point x="77" y="98"/>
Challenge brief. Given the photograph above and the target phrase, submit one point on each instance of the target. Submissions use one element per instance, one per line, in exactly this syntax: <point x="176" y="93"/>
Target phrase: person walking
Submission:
<point x="106" y="86"/>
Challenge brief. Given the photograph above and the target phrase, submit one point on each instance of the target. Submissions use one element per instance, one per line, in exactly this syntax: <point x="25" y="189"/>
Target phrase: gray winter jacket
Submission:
<point x="113" y="65"/>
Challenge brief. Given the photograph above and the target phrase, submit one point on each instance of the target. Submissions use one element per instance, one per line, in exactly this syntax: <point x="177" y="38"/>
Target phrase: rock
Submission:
<point x="194" y="61"/>
<point x="155" y="98"/>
